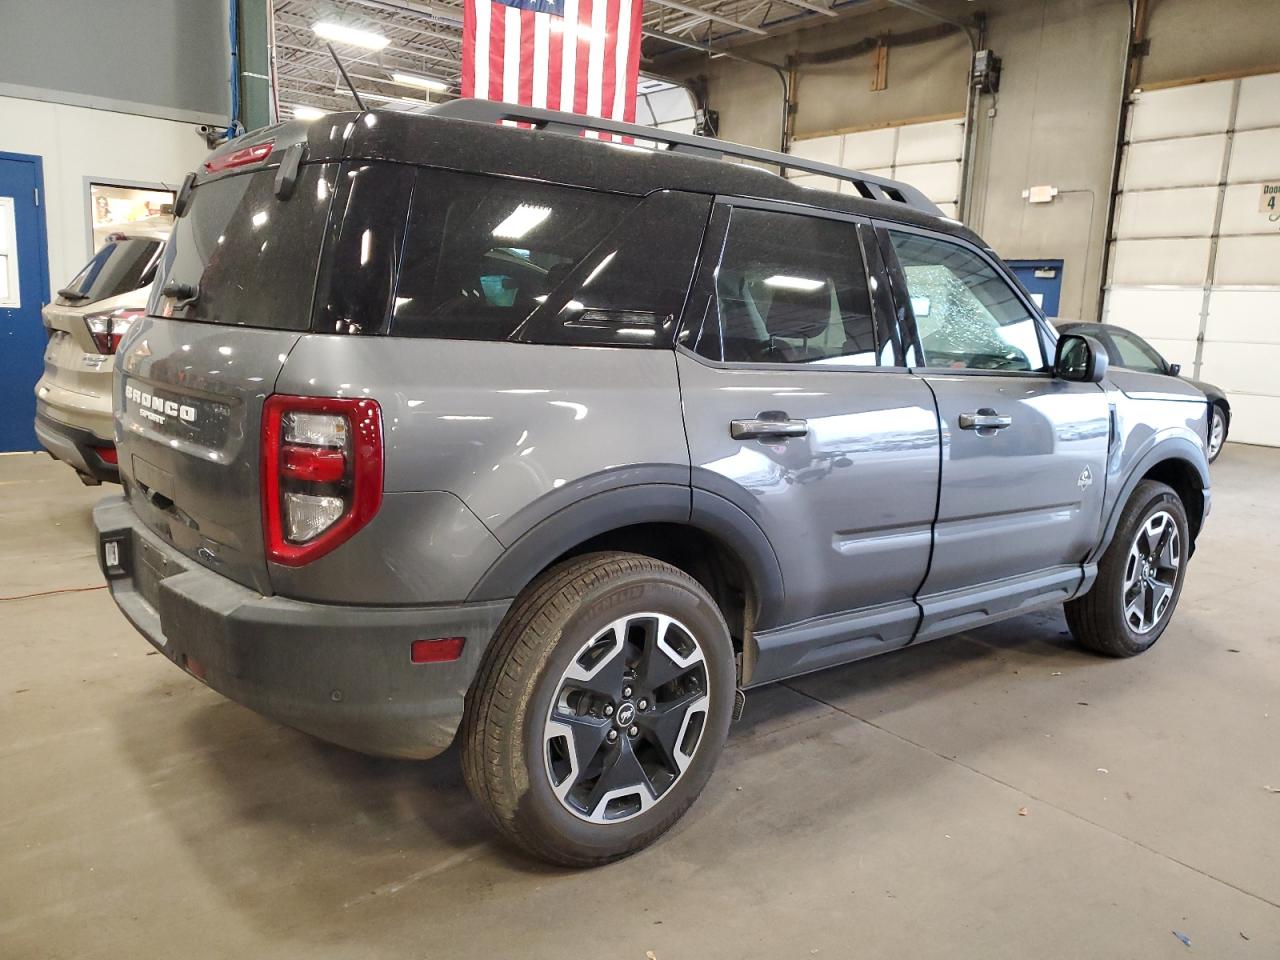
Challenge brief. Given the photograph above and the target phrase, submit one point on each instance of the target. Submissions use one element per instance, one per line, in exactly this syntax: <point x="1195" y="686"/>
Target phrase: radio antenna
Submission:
<point x="343" y="70"/>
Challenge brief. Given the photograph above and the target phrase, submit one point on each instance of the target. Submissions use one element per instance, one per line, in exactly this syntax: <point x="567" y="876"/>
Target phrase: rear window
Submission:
<point x="249" y="257"/>
<point x="122" y="264"/>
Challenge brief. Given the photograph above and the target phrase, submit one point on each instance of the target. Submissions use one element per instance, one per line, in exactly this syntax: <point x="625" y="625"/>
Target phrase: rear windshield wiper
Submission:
<point x="72" y="295"/>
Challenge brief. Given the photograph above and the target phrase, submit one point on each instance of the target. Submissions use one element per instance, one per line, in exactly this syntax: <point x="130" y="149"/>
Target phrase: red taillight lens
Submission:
<point x="107" y="454"/>
<point x="321" y="473"/>
<point x="240" y="158"/>
<point x="108" y="329"/>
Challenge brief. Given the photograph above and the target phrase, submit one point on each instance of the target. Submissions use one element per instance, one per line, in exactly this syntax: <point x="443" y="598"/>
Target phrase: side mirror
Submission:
<point x="1175" y="369"/>
<point x="1080" y="359"/>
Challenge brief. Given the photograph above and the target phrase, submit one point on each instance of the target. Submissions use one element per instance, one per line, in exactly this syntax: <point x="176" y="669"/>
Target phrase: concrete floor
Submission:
<point x="867" y="811"/>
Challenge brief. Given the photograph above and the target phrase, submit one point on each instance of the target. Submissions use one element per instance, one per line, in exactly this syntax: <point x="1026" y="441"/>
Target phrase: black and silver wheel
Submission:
<point x="1217" y="432"/>
<point x="601" y="709"/>
<point x="1139" y="577"/>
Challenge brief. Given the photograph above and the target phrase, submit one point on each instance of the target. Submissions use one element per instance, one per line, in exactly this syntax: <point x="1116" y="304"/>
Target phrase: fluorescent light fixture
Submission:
<point x="327" y="30"/>
<point x="520" y="221"/>
<point x="303" y="112"/>
<point x="784" y="282"/>
<point x="412" y="80"/>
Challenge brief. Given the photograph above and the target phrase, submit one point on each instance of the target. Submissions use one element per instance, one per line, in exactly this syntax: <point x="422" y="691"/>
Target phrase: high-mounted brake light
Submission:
<point x="240" y="158"/>
<point x="108" y="329"/>
<point x="321" y="473"/>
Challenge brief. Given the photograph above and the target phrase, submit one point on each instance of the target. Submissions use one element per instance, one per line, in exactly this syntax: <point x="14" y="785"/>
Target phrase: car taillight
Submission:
<point x="108" y="329"/>
<point x="321" y="473"/>
<point x="240" y="158"/>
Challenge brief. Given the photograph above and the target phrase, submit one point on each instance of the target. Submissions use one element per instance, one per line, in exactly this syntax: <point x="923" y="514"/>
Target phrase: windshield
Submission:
<point x="123" y="264"/>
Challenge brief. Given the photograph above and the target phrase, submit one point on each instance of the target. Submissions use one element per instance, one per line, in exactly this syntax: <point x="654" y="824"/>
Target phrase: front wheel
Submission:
<point x="601" y="709"/>
<point x="1217" y="432"/>
<point x="1139" y="577"/>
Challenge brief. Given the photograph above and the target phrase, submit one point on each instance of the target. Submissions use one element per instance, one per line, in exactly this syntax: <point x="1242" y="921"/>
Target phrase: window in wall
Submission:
<point x="967" y="315"/>
<point x="129" y="210"/>
<point x="792" y="289"/>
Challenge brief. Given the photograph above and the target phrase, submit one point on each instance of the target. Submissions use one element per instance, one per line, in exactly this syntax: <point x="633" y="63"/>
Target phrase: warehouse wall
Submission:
<point x="160" y="58"/>
<point x="75" y="143"/>
<point x="1054" y="121"/>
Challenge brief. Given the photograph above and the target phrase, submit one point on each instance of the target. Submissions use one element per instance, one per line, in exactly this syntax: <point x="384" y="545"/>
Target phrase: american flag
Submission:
<point x="581" y="56"/>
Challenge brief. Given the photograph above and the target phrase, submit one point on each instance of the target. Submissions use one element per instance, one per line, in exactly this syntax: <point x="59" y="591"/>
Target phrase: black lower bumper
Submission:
<point x="77" y="447"/>
<point x="341" y="673"/>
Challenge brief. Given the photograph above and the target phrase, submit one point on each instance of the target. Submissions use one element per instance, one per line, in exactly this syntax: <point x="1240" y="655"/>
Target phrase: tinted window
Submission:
<point x="251" y="257"/>
<point x="966" y="314"/>
<point x="792" y="289"/>
<point x="483" y="253"/>
<point x="1135" y="353"/>
<point x="123" y="264"/>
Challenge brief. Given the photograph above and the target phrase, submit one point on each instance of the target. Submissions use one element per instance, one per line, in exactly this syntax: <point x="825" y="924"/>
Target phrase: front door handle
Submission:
<point x="984" y="419"/>
<point x="769" y="425"/>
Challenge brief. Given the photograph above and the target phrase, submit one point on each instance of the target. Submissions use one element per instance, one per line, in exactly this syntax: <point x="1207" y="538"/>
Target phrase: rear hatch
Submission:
<point x="233" y="295"/>
<point x="107" y="293"/>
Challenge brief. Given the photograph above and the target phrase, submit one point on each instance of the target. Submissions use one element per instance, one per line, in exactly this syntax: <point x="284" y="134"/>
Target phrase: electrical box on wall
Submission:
<point x="986" y="72"/>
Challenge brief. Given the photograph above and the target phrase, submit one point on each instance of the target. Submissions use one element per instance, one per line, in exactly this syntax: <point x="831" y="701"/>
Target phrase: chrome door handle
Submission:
<point x="771" y="424"/>
<point x="984" y="419"/>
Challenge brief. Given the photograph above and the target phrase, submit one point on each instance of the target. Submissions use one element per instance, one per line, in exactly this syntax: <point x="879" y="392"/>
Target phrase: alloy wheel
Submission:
<point x="1217" y="433"/>
<point x="1151" y="574"/>
<point x="627" y="718"/>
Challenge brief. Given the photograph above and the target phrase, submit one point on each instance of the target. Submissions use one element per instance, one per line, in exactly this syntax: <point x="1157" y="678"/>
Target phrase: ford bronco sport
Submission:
<point x="438" y="424"/>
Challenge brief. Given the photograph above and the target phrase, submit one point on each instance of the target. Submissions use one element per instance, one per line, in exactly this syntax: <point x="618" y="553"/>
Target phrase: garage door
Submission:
<point x="925" y="155"/>
<point x="1195" y="253"/>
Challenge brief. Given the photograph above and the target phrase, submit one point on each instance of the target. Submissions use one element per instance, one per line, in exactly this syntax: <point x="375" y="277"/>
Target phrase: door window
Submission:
<point x="967" y="315"/>
<point x="9" y="299"/>
<point x="1135" y="353"/>
<point x="792" y="289"/>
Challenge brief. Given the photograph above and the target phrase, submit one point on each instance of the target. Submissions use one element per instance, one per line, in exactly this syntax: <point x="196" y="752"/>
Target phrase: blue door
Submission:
<point x="1043" y="280"/>
<point x="24" y="289"/>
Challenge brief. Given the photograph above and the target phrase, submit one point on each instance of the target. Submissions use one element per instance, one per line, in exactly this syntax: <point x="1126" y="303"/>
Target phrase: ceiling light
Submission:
<point x="520" y="221"/>
<point x="784" y="282"/>
<point x="326" y="30"/>
<point x="303" y="112"/>
<point x="426" y="83"/>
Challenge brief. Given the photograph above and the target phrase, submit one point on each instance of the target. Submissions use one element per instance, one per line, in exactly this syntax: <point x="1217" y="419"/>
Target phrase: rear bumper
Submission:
<point x="75" y="446"/>
<point x="341" y="673"/>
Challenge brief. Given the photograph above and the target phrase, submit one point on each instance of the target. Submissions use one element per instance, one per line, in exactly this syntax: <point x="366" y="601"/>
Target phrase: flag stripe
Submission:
<point x="581" y="56"/>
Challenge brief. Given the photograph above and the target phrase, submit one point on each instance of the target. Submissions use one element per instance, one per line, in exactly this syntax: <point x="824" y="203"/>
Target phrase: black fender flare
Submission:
<point x="1170" y="448"/>
<point x="627" y="506"/>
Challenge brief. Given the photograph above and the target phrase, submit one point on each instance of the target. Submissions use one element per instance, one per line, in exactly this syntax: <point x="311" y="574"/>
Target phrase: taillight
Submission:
<point x="108" y="329"/>
<point x="321" y="473"/>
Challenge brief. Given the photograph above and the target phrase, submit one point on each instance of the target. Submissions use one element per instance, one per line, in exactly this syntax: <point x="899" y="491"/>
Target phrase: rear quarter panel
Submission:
<point x="512" y="432"/>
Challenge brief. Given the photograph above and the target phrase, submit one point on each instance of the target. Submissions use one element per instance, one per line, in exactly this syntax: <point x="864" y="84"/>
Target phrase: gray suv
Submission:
<point x="437" y="426"/>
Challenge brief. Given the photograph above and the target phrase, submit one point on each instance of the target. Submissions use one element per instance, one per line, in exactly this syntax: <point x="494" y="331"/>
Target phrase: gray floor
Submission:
<point x="867" y="811"/>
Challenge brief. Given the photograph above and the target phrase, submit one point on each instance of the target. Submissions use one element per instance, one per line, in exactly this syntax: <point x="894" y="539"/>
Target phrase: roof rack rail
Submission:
<point x="553" y="121"/>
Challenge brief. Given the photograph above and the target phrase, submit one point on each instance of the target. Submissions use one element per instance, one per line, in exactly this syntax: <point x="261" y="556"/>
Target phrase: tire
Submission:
<point x="1114" y="618"/>
<point x="557" y="680"/>
<point x="1217" y="432"/>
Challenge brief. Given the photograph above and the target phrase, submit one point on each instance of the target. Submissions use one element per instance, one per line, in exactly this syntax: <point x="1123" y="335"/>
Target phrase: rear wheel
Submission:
<point x="601" y="709"/>
<point x="1139" y="577"/>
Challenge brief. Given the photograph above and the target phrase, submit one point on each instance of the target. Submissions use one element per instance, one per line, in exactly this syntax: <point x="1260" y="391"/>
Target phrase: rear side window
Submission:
<point x="483" y="253"/>
<point x="249" y="258"/>
<point x="793" y="289"/>
<point x="122" y="264"/>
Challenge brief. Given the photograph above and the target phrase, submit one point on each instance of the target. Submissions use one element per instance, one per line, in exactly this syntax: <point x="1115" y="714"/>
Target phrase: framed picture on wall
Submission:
<point x="120" y="206"/>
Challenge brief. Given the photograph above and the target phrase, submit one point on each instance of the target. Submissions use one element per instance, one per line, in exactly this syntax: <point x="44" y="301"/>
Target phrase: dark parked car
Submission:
<point x="1126" y="349"/>
<point x="437" y="426"/>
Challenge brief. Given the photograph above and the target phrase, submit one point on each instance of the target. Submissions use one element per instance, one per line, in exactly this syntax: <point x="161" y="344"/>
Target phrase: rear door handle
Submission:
<point x="984" y="419"/>
<point x="771" y="424"/>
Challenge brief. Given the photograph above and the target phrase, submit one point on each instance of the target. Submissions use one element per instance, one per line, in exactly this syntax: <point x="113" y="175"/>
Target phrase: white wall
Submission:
<point x="77" y="142"/>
